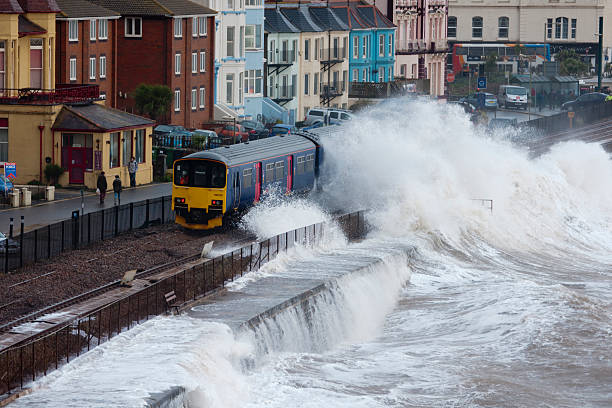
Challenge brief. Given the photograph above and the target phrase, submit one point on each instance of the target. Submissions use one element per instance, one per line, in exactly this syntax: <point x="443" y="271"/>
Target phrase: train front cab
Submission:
<point x="199" y="191"/>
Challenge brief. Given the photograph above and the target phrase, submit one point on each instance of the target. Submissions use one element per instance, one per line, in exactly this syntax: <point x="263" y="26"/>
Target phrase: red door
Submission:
<point x="76" y="165"/>
<point x="289" y="174"/>
<point x="257" y="181"/>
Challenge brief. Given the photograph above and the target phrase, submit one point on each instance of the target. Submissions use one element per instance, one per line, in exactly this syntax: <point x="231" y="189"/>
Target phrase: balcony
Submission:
<point x="63" y="93"/>
<point x="282" y="94"/>
<point x="422" y="47"/>
<point x="331" y="90"/>
<point x="405" y="4"/>
<point x="332" y="55"/>
<point x="281" y="57"/>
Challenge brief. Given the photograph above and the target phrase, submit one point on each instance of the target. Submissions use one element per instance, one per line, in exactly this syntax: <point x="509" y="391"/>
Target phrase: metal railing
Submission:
<point x="561" y="122"/>
<point x="51" y="240"/>
<point x="63" y="93"/>
<point x="332" y="54"/>
<point x="31" y="359"/>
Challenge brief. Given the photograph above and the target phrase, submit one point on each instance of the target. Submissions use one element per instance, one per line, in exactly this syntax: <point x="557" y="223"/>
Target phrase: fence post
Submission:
<point x="147" y="214"/>
<point x="131" y="216"/>
<point x="62" y="236"/>
<point x="163" y="211"/>
<point x="251" y="259"/>
<point x="11" y="228"/>
<point x="6" y="254"/>
<point x="103" y="226"/>
<point x="35" y="244"/>
<point x="116" y="220"/>
<point x="222" y="271"/>
<point x="21" y="244"/>
<point x="49" y="241"/>
<point x="89" y="228"/>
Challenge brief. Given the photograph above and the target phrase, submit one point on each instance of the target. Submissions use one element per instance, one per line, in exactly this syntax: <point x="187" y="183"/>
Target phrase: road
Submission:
<point x="50" y="212"/>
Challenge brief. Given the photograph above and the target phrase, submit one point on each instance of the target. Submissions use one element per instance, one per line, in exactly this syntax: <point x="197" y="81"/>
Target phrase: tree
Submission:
<point x="153" y="100"/>
<point x="570" y="63"/>
<point x="491" y="63"/>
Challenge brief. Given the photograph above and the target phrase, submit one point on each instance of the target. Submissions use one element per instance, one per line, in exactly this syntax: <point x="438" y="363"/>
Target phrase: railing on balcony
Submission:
<point x="333" y="55"/>
<point x="405" y="3"/>
<point x="283" y="92"/>
<point x="422" y="47"/>
<point x="281" y="57"/>
<point x="63" y="93"/>
<point x="333" y="89"/>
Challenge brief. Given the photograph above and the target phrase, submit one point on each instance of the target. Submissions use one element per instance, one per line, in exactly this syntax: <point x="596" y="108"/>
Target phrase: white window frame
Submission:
<point x="177" y="100"/>
<point x="573" y="28"/>
<point x="229" y="86"/>
<point x="73" y="30"/>
<point x="306" y="84"/>
<point x="202" y="97"/>
<point x="365" y="47"/>
<point x="93" y="30"/>
<point x="381" y="45"/>
<point x="500" y="27"/>
<point x="177" y="63"/>
<point x="381" y="74"/>
<point x="194" y="27"/>
<point x="194" y="99"/>
<point x="102" y="66"/>
<point x="390" y="44"/>
<point x="92" y="68"/>
<point x="230" y="44"/>
<point x="450" y="27"/>
<point x="202" y="26"/>
<point x="202" y="61"/>
<point x="131" y="23"/>
<point x="178" y="27"/>
<point x="102" y="29"/>
<point x="477" y="28"/>
<point x="355" y="47"/>
<point x="73" y="68"/>
<point x="194" y="62"/>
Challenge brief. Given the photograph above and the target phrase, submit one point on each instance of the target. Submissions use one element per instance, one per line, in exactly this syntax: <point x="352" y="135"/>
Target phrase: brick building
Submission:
<point x="86" y="47"/>
<point x="168" y="42"/>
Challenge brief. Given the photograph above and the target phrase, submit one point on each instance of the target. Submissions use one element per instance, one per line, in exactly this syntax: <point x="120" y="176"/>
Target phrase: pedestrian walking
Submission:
<point x="117" y="190"/>
<point x="102" y="186"/>
<point x="132" y="169"/>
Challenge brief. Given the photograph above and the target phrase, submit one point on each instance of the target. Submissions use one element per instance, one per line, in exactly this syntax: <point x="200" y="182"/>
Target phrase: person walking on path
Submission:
<point x="132" y="169"/>
<point x="117" y="190"/>
<point x="102" y="186"/>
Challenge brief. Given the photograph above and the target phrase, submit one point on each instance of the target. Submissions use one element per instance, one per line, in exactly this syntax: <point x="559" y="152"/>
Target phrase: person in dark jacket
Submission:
<point x="102" y="186"/>
<point x="117" y="190"/>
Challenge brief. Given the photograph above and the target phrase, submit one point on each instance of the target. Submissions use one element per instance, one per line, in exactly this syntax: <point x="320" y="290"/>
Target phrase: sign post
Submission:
<point x="570" y="115"/>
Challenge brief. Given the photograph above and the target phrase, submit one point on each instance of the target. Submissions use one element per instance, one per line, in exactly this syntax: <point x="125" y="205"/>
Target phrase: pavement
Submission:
<point x="48" y="212"/>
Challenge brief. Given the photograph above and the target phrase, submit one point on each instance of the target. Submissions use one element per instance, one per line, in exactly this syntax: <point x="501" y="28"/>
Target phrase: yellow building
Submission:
<point x="43" y="123"/>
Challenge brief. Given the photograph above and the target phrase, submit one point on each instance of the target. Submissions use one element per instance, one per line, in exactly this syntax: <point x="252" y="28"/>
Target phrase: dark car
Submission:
<point x="585" y="101"/>
<point x="481" y="100"/>
<point x="501" y="123"/>
<point x="232" y="134"/>
<point x="282" y="129"/>
<point x="256" y="130"/>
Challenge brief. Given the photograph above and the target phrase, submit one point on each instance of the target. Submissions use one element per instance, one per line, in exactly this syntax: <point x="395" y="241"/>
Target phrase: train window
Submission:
<point x="280" y="170"/>
<point x="247" y="176"/>
<point x="269" y="172"/>
<point x="199" y="173"/>
<point x="310" y="162"/>
<point x="300" y="165"/>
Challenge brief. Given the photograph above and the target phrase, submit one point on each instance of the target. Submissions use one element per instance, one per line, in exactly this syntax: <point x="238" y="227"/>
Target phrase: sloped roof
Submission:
<point x="26" y="27"/>
<point x="565" y="79"/>
<point x="83" y="9"/>
<point x="373" y="18"/>
<point x="326" y="19"/>
<point x="10" y="7"/>
<point x="39" y="6"/>
<point x="96" y="117"/>
<point x="154" y="7"/>
<point x="299" y="19"/>
<point x="275" y="22"/>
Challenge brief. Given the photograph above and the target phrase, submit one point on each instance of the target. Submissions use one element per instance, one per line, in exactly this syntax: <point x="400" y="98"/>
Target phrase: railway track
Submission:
<point x="597" y="133"/>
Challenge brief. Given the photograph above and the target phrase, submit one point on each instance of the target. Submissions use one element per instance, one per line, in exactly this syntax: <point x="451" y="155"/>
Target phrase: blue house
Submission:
<point x="254" y="53"/>
<point x="372" y="42"/>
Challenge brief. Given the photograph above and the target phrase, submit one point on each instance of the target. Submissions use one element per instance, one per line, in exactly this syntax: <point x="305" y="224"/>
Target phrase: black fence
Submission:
<point x="561" y="122"/>
<point x="34" y="358"/>
<point x="81" y="231"/>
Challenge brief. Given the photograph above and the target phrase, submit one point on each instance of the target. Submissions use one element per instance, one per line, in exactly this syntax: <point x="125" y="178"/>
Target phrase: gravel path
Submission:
<point x="45" y="283"/>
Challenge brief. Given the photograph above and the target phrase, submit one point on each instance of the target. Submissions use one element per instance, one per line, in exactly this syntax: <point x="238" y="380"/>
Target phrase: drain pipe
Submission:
<point x="40" y="128"/>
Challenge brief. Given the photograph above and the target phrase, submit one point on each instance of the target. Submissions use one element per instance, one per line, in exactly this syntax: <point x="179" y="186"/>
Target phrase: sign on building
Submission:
<point x="10" y="170"/>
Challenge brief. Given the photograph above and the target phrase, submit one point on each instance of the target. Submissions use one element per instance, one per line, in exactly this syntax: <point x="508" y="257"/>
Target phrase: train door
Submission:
<point x="289" y="174"/>
<point x="236" y="184"/>
<point x="257" y="181"/>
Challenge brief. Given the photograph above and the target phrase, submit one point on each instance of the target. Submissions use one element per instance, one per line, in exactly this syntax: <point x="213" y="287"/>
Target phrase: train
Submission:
<point x="211" y="185"/>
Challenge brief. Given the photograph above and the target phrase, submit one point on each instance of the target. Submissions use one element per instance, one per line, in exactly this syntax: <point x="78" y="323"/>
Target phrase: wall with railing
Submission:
<point x="37" y="356"/>
<point x="561" y="122"/>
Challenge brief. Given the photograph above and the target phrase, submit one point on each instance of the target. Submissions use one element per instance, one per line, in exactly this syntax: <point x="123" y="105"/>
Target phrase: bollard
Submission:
<point x="11" y="229"/>
<point x="75" y="229"/>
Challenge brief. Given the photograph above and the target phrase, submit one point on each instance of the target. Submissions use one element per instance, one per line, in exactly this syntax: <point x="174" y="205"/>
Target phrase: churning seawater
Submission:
<point x="452" y="305"/>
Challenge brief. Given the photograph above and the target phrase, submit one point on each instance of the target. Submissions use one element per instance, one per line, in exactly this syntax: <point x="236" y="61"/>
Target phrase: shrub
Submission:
<point x="53" y="173"/>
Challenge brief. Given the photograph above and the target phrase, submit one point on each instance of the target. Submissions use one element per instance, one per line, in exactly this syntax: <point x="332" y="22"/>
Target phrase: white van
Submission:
<point x="512" y="96"/>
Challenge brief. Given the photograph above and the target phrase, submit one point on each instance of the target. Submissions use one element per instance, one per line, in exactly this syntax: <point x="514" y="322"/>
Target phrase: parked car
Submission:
<point x="282" y="129"/>
<point x="585" y="101"/>
<point x="337" y="117"/>
<point x="5" y="185"/>
<point x="510" y="96"/>
<point x="316" y="124"/>
<point x="205" y="139"/>
<point x="233" y="133"/>
<point x="315" y="114"/>
<point x="256" y="130"/>
<point x="502" y="123"/>
<point x="13" y="246"/>
<point x="481" y="100"/>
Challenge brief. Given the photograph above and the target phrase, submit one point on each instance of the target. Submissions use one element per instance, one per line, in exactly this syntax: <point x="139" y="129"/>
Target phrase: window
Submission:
<point x="102" y="29"/>
<point x="199" y="173"/>
<point x="178" y="28"/>
<point x="561" y="28"/>
<point x="355" y="75"/>
<point x="2" y="69"/>
<point x="4" y="140"/>
<point x="300" y="165"/>
<point x="279" y="171"/>
<point x="344" y="80"/>
<point x="202" y="61"/>
<point x="241" y="43"/>
<point x="381" y="74"/>
<point x="102" y="66"/>
<point x="294" y="83"/>
<point x="252" y="36"/>
<point x="549" y="28"/>
<point x="177" y="100"/>
<point x="476" y="27"/>
<point x="452" y="27"/>
<point x="114" y="150"/>
<point x="230" y="4"/>
<point x="306" y="83"/>
<point x="316" y="49"/>
<point x="240" y="90"/>
<point x="202" y="26"/>
<point x="230" y="41"/>
<point x="345" y="49"/>
<point x="127" y="146"/>
<point x="316" y="84"/>
<point x="139" y="155"/>
<point x="503" y="23"/>
<point x="194" y="62"/>
<point x="355" y="47"/>
<point x="194" y="98"/>
<point x="390" y="45"/>
<point x="229" y="90"/>
<point x="194" y="26"/>
<point x="273" y="52"/>
<point x="365" y="46"/>
<point x="92" y="68"/>
<point x="365" y="75"/>
<point x="202" y="98"/>
<point x="177" y="63"/>
<point x="285" y="52"/>
<point x="269" y="175"/>
<point x="253" y="2"/>
<point x="247" y="177"/>
<point x="574" y="21"/>
<point x="307" y="50"/>
<point x="133" y="27"/>
<point x="36" y="63"/>
<point x="252" y="81"/>
<point x="310" y="162"/>
<point x="73" y="30"/>
<point x="73" y="69"/>
<point x="92" y="30"/>
<point x="336" y="47"/>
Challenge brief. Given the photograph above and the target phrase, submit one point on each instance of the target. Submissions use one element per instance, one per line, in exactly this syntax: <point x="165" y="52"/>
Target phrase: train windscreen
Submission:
<point x="199" y="173"/>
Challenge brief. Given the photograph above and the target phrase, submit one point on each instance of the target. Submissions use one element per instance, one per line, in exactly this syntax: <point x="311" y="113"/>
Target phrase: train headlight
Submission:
<point x="179" y="200"/>
<point x="217" y="202"/>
